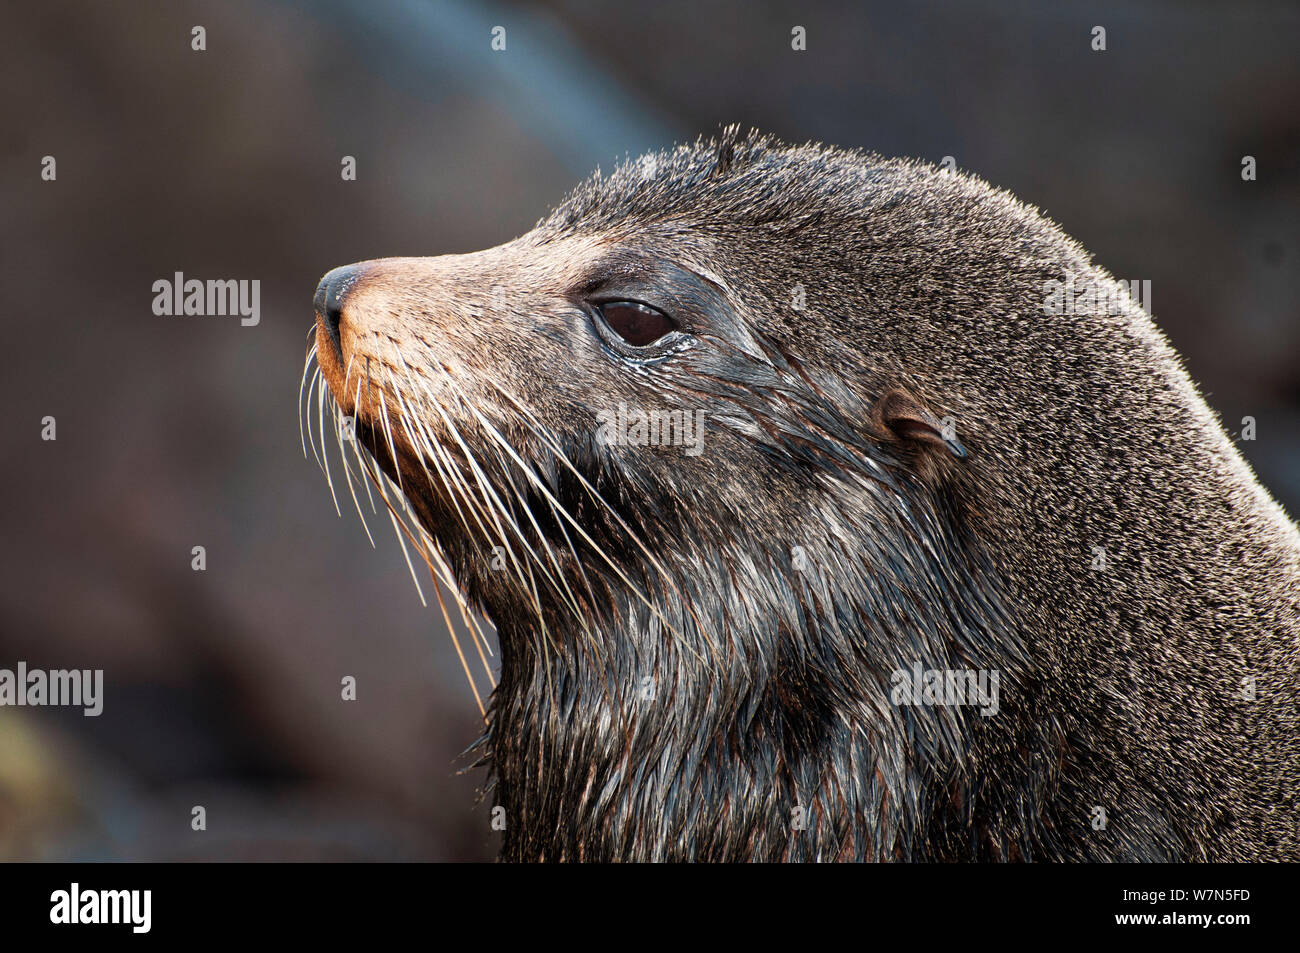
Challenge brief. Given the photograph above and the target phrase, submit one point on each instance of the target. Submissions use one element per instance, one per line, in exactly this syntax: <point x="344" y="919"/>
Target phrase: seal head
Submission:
<point x="745" y="442"/>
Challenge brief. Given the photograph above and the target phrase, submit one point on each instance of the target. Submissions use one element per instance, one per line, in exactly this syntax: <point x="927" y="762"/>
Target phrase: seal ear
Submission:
<point x="899" y="413"/>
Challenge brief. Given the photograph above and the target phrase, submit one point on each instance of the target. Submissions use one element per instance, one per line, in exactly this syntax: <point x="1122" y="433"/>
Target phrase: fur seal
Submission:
<point x="912" y="474"/>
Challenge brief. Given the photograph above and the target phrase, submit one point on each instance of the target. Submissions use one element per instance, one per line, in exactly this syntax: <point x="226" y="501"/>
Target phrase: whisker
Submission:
<point x="347" y="468"/>
<point x="388" y="435"/>
<point x="302" y="385"/>
<point x="325" y="460"/>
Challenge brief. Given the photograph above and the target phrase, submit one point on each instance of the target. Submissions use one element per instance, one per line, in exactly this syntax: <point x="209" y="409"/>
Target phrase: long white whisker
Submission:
<point x="302" y="385"/>
<point x="347" y="467"/>
<point x="325" y="459"/>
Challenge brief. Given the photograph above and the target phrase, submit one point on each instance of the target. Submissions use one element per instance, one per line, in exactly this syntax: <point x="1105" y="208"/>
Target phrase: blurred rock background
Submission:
<point x="222" y="687"/>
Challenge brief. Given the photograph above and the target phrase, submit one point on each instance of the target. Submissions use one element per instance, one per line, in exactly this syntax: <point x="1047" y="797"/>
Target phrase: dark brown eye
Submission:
<point x="637" y="324"/>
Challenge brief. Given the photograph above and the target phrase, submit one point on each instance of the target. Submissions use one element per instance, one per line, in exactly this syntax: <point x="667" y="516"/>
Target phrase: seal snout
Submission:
<point x="331" y="295"/>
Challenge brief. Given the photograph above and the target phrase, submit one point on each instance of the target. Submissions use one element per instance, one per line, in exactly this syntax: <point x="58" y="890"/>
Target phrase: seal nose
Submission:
<point x="330" y="296"/>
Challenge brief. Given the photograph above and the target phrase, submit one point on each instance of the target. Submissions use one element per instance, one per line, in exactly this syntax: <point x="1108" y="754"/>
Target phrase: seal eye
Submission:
<point x="639" y="325"/>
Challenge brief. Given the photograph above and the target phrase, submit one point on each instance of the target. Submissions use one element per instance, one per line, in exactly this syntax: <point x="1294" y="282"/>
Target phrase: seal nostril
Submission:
<point x="333" y="312"/>
<point x="330" y="295"/>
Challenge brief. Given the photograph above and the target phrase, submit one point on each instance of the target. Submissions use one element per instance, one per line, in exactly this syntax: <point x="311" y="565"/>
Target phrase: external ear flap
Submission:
<point x="900" y="414"/>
